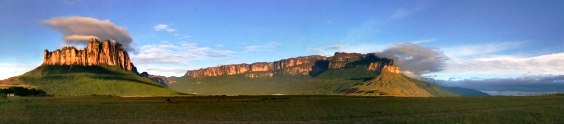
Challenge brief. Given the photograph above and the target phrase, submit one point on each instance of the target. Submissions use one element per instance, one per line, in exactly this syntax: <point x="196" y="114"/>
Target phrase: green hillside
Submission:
<point x="330" y="82"/>
<point x="90" y="80"/>
<point x="392" y="84"/>
<point x="465" y="91"/>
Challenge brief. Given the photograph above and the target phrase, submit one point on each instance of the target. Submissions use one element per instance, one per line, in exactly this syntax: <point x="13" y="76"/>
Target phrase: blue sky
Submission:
<point x="483" y="39"/>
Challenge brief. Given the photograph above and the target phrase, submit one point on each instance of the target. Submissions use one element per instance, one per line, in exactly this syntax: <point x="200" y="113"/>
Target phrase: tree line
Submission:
<point x="21" y="91"/>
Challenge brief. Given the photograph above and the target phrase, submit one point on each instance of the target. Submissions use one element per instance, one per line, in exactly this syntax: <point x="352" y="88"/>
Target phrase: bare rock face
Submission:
<point x="95" y="53"/>
<point x="340" y="59"/>
<point x="305" y="65"/>
<point x="292" y="66"/>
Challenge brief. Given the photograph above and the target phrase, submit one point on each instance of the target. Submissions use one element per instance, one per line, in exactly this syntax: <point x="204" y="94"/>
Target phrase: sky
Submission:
<point x="465" y="40"/>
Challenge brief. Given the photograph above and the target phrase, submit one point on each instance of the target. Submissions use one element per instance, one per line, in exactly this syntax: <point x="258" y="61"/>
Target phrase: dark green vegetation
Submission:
<point x="20" y="91"/>
<point x="283" y="109"/>
<point x="330" y="82"/>
<point x="91" y="80"/>
<point x="465" y="91"/>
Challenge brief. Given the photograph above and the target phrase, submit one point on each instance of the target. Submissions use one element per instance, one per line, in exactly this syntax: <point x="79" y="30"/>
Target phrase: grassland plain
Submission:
<point x="282" y="109"/>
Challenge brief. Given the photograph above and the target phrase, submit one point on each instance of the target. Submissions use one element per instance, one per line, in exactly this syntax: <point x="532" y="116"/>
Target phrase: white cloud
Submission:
<point x="15" y="69"/>
<point x="78" y="29"/>
<point x="166" y="69"/>
<point x="172" y="59"/>
<point x="506" y="65"/>
<point x="269" y="47"/>
<point x="164" y="27"/>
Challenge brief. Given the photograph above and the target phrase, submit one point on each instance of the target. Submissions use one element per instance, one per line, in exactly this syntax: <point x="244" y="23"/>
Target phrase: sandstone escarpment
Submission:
<point x="291" y="66"/>
<point x="306" y="65"/>
<point x="96" y="53"/>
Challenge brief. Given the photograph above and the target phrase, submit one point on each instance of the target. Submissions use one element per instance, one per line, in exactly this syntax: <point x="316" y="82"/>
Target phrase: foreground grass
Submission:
<point x="283" y="109"/>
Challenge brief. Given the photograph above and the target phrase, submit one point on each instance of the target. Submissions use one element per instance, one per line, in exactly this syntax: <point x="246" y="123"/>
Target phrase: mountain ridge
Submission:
<point x="341" y="74"/>
<point x="305" y="65"/>
<point x="96" y="53"/>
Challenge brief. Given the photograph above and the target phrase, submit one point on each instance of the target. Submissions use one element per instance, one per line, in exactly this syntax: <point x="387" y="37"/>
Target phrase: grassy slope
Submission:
<point x="465" y="91"/>
<point x="392" y="84"/>
<point x="235" y="85"/>
<point x="283" y="109"/>
<point x="100" y="80"/>
<point x="328" y="83"/>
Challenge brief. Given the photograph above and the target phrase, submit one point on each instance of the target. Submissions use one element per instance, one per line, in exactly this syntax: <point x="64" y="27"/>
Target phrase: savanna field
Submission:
<point x="282" y="109"/>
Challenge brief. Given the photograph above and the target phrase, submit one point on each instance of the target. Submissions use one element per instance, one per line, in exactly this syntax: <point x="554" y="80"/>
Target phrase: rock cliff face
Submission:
<point x="306" y="65"/>
<point x="291" y="66"/>
<point x="95" y="53"/>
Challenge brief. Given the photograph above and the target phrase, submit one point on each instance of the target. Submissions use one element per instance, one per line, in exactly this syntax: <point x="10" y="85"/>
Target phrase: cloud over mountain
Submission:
<point x="415" y="60"/>
<point x="78" y="29"/>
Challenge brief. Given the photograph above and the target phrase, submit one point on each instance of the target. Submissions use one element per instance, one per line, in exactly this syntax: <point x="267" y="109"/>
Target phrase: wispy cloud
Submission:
<point x="269" y="47"/>
<point x="163" y="27"/>
<point x="402" y="13"/>
<point x="508" y="65"/>
<point x="173" y="59"/>
<point x="479" y="50"/>
<point x="512" y="86"/>
<point x="364" y="29"/>
<point x="176" y="53"/>
<point x="422" y="41"/>
<point x="329" y="50"/>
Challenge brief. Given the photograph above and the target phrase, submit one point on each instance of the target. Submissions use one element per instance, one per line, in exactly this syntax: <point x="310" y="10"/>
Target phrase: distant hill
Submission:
<point x="102" y="68"/>
<point x="341" y="74"/>
<point x="465" y="91"/>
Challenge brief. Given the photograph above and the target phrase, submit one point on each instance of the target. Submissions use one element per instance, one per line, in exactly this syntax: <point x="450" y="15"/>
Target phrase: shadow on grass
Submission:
<point x="70" y="69"/>
<point x="108" y="77"/>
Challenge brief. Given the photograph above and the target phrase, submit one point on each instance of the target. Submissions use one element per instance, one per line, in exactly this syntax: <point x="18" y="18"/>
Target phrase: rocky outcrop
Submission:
<point x="306" y="65"/>
<point x="340" y="59"/>
<point x="96" y="53"/>
<point x="392" y="69"/>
